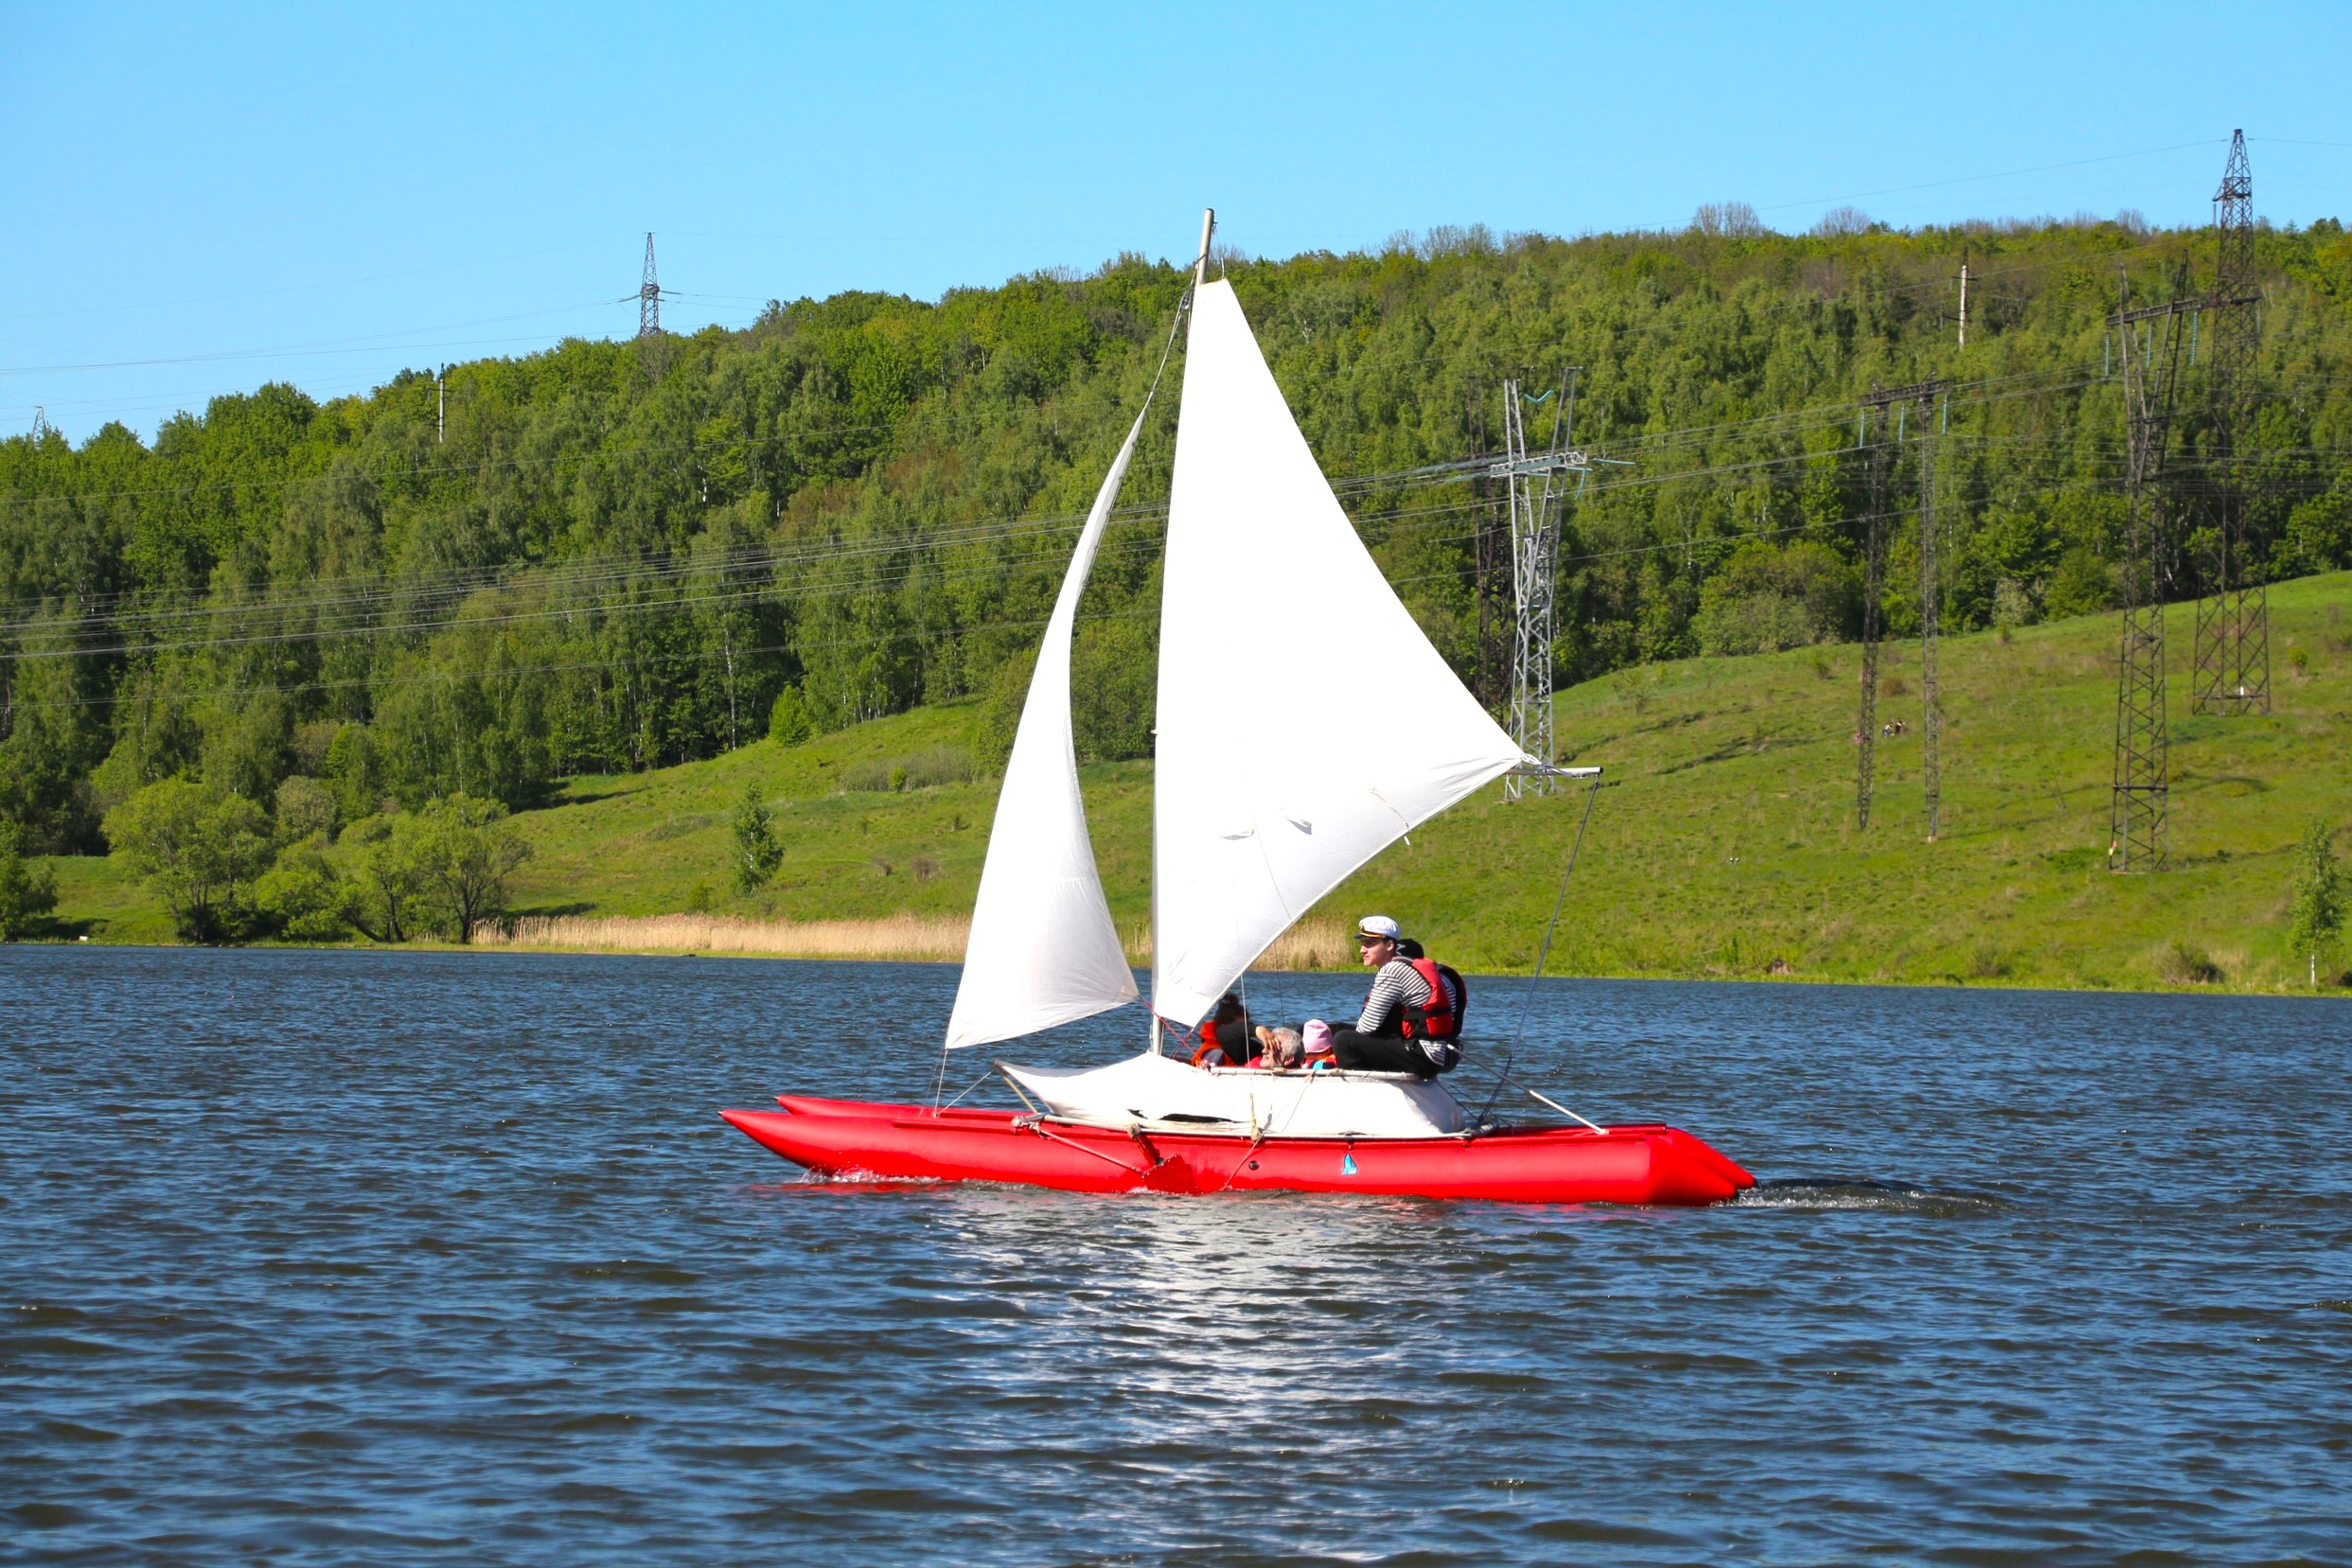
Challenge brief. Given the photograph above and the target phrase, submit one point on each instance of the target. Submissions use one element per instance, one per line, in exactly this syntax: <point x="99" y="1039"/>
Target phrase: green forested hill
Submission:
<point x="624" y="555"/>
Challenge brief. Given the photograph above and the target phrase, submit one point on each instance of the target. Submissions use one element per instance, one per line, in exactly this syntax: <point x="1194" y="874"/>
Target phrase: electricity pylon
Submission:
<point x="650" y="298"/>
<point x="1535" y="510"/>
<point x="1876" y="407"/>
<point x="2232" y="646"/>
<point x="2150" y="340"/>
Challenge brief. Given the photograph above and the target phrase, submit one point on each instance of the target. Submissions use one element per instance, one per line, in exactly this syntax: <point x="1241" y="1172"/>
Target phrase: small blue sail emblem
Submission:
<point x="1347" y="1164"/>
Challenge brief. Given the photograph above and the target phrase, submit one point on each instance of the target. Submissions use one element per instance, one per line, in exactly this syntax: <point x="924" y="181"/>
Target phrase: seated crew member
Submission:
<point x="1410" y="1017"/>
<point x="1228" y="1036"/>
<point x="1281" y="1049"/>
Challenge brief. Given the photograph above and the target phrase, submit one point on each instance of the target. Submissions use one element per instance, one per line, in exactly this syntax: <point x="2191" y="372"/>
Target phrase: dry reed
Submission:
<point x="1323" y="945"/>
<point x="901" y="936"/>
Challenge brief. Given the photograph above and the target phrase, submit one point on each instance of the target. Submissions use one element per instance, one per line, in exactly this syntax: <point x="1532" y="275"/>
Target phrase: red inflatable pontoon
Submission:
<point x="1623" y="1165"/>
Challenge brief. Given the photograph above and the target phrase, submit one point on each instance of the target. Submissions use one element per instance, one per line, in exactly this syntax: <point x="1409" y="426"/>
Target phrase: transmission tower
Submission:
<point x="650" y="298"/>
<point x="1878" y="407"/>
<point x="1534" y="565"/>
<point x="1875" y="455"/>
<point x="1490" y="547"/>
<point x="2233" y="646"/>
<point x="1931" y="616"/>
<point x="2149" y="339"/>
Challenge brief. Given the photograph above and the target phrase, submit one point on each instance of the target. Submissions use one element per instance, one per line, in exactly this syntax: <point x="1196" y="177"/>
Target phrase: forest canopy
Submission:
<point x="629" y="555"/>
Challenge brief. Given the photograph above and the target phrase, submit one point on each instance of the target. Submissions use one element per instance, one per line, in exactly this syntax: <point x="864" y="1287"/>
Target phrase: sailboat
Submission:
<point x="1280" y="769"/>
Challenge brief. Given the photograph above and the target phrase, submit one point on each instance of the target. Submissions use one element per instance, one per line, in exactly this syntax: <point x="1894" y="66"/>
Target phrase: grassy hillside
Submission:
<point x="1725" y="847"/>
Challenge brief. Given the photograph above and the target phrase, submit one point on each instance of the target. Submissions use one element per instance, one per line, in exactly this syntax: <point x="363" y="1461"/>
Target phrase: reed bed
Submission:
<point x="901" y="936"/>
<point x="1317" y="945"/>
<point x="1321" y="945"/>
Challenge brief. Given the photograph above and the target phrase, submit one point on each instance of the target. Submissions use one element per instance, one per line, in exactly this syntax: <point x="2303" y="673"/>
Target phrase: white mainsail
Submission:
<point x="1043" y="950"/>
<point x="1306" y="722"/>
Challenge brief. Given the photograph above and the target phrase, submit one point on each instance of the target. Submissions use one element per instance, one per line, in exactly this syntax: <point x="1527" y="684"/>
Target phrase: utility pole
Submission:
<point x="1535" y="564"/>
<point x="1963" y="296"/>
<point x="441" y="406"/>
<point x="2233" y="647"/>
<point x="2150" y="339"/>
<point x="650" y="298"/>
<point x="1878" y="458"/>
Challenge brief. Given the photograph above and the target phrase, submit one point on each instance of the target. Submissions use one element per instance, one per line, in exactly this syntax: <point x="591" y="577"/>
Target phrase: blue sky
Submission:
<point x="201" y="199"/>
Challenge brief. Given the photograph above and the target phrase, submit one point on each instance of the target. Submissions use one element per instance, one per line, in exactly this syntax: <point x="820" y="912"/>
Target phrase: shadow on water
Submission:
<point x="1862" y="1192"/>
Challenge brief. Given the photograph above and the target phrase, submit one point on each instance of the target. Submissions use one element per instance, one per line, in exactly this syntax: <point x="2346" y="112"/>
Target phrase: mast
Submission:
<point x="1151" y="1013"/>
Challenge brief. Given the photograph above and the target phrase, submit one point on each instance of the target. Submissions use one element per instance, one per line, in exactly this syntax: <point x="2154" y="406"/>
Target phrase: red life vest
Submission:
<point x="1208" y="1042"/>
<point x="1438" y="1018"/>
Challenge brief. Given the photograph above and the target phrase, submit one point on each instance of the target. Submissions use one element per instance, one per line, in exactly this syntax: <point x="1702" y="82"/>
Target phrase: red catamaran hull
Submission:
<point x="1620" y="1165"/>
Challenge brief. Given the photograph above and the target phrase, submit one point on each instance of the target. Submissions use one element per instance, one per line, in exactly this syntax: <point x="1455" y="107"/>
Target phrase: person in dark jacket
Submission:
<point x="1229" y="1036"/>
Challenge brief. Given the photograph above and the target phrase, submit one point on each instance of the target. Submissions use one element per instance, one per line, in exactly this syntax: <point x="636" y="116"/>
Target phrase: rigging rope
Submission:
<point x="1527" y="997"/>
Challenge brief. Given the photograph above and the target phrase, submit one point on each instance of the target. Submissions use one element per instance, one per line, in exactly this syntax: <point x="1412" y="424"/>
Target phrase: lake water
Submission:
<point x="409" y="1259"/>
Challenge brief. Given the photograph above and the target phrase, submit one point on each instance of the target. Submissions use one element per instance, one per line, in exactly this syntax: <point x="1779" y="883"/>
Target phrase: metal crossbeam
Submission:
<point x="1573" y="462"/>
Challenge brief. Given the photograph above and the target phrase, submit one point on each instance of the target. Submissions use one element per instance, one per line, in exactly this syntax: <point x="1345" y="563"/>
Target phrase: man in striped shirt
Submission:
<point x="1377" y="1043"/>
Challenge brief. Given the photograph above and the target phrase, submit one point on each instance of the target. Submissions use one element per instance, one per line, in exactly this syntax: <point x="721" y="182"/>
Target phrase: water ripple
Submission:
<point x="416" y="1259"/>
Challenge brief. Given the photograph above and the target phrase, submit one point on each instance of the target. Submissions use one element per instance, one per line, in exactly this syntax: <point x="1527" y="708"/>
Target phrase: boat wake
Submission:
<point x="1862" y="1192"/>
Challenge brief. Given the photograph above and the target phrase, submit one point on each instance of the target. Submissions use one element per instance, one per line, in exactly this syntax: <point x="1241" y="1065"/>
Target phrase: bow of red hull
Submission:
<point x="1624" y="1165"/>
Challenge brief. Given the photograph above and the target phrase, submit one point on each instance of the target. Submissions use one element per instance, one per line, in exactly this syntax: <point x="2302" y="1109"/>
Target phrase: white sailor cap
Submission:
<point x="1377" y="928"/>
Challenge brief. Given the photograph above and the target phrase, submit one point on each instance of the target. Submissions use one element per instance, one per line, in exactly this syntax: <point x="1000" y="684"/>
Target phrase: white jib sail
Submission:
<point x="1043" y="950"/>
<point x="1304" y="722"/>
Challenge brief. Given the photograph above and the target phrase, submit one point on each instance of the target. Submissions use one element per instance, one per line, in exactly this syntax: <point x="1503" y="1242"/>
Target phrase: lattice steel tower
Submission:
<point x="1930" y="614"/>
<point x="1878" y="406"/>
<point x="2150" y="341"/>
<point x="650" y="298"/>
<point x="1877" y="453"/>
<point x="1490" y="567"/>
<point x="2232" y="646"/>
<point x="1534" y="567"/>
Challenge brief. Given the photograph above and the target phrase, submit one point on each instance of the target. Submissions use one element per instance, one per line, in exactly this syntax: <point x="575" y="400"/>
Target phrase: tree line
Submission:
<point x="629" y="554"/>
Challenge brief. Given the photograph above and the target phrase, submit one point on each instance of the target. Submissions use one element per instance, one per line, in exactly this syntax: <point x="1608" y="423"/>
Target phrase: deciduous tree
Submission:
<point x="756" y="853"/>
<point x="2316" y="921"/>
<point x="200" y="847"/>
<point x="27" y="891"/>
<point x="465" y="849"/>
